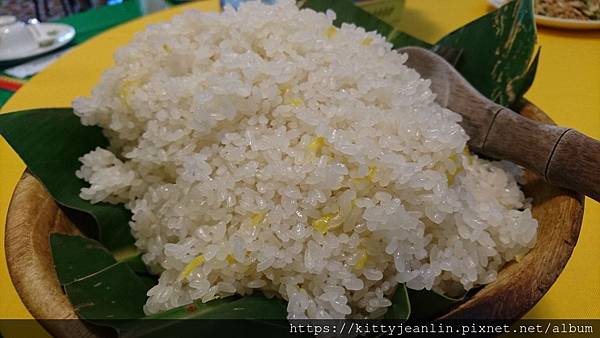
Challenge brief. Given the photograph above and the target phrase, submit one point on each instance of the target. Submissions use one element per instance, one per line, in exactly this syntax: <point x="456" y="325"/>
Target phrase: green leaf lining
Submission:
<point x="497" y="50"/>
<point x="50" y="142"/>
<point x="99" y="287"/>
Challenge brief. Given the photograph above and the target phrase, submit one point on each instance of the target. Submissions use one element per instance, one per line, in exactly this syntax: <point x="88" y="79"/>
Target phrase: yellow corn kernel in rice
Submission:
<point x="125" y="90"/>
<point x="284" y="89"/>
<point x="257" y="218"/>
<point x="295" y="102"/>
<point x="230" y="259"/>
<point x="317" y="144"/>
<point x="468" y="154"/>
<point x="331" y="32"/>
<point x="166" y="48"/>
<point x="366" y="41"/>
<point x="454" y="158"/>
<point x="451" y="175"/>
<point x="361" y="182"/>
<point x="322" y="223"/>
<point x="362" y="260"/>
<point x="371" y="173"/>
<point x="194" y="263"/>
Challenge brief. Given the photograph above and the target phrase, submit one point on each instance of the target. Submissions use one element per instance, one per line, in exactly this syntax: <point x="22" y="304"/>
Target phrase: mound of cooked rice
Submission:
<point x="266" y="150"/>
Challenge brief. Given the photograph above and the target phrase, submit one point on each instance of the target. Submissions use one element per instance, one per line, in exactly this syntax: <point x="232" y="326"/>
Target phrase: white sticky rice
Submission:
<point x="265" y="150"/>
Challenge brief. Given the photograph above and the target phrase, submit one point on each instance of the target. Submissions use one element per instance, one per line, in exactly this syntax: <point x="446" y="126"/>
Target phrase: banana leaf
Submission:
<point x="401" y="306"/>
<point x="497" y="51"/>
<point x="98" y="286"/>
<point x="257" y="314"/>
<point x="429" y="304"/>
<point x="50" y="142"/>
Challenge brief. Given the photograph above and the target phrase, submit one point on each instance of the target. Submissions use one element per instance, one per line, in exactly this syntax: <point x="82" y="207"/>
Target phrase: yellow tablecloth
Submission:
<point x="567" y="88"/>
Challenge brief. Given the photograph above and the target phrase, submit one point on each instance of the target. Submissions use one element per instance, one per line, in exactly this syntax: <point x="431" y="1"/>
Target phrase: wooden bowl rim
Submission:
<point x="483" y="304"/>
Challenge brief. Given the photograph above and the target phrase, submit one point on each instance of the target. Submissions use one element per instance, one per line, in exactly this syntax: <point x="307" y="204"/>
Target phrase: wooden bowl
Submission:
<point x="33" y="215"/>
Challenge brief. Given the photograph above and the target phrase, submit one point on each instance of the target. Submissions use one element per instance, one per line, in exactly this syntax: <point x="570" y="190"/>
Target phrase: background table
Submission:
<point x="567" y="87"/>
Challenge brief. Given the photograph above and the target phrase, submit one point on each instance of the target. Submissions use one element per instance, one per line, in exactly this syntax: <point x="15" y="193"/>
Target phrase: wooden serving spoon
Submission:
<point x="562" y="156"/>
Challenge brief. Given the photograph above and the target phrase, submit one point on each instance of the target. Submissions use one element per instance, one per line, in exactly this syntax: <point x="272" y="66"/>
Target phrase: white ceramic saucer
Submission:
<point x="62" y="34"/>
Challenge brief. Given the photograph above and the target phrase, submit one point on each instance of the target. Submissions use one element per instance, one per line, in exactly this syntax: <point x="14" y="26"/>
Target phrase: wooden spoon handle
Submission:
<point x="564" y="157"/>
<point x="576" y="162"/>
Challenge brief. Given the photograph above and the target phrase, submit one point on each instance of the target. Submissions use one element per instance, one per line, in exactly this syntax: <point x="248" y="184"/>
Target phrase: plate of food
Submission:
<point x="284" y="163"/>
<point x="577" y="14"/>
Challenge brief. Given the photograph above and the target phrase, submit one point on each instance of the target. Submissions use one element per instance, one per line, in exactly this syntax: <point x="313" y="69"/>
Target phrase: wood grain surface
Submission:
<point x="576" y="161"/>
<point x="33" y="215"/>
